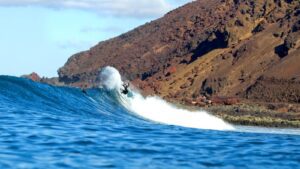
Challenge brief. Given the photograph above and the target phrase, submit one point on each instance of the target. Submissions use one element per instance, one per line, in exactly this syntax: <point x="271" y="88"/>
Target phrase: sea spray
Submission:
<point x="110" y="78"/>
<point x="157" y="110"/>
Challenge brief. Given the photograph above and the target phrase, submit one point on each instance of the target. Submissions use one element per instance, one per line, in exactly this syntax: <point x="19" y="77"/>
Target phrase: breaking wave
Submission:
<point x="157" y="110"/>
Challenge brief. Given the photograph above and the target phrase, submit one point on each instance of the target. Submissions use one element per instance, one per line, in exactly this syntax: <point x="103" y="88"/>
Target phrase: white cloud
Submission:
<point x="128" y="8"/>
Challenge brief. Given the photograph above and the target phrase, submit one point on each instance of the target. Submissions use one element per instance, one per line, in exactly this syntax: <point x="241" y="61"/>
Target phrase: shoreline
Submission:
<point x="250" y="113"/>
<point x="256" y="115"/>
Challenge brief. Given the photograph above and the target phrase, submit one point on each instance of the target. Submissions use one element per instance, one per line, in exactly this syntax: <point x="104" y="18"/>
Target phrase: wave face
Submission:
<point x="43" y="126"/>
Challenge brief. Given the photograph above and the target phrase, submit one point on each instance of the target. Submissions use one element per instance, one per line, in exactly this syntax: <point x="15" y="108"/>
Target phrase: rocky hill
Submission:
<point x="233" y="48"/>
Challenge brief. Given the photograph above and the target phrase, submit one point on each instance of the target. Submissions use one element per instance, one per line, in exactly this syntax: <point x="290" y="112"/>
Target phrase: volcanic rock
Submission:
<point x="230" y="48"/>
<point x="33" y="76"/>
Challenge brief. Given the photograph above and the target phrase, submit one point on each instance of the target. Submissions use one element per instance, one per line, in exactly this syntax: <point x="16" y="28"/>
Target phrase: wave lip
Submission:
<point x="110" y="78"/>
<point x="157" y="110"/>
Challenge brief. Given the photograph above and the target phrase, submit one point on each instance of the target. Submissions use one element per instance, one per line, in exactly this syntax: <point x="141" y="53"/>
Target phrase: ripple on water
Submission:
<point x="80" y="131"/>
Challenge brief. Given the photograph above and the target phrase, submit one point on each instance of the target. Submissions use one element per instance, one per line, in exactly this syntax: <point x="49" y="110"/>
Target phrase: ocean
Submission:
<point x="43" y="126"/>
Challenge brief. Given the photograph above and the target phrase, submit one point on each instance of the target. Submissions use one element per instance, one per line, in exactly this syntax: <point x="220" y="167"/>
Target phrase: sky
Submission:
<point x="40" y="35"/>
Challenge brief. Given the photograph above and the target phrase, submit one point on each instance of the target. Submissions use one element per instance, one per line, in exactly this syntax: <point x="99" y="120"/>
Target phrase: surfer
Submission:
<point x="125" y="90"/>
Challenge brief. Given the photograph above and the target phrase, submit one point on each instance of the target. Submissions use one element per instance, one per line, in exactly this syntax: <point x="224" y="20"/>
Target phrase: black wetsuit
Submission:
<point x="125" y="90"/>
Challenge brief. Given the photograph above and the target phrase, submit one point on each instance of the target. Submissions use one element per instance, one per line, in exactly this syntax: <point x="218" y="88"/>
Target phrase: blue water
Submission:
<point x="42" y="126"/>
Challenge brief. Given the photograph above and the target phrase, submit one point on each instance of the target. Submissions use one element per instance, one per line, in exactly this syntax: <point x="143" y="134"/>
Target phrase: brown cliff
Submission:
<point x="233" y="48"/>
<point x="37" y="78"/>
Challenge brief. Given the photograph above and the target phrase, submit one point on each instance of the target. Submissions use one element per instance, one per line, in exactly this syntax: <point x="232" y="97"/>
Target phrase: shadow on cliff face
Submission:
<point x="282" y="51"/>
<point x="217" y="40"/>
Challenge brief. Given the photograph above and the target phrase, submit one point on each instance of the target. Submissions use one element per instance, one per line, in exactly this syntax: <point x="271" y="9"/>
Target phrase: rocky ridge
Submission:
<point x="248" y="49"/>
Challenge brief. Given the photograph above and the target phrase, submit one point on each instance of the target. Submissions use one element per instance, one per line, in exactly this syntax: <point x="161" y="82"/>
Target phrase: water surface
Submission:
<point x="57" y="127"/>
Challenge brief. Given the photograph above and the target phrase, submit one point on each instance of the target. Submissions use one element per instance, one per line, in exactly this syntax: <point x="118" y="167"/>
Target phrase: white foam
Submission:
<point x="110" y="78"/>
<point x="157" y="110"/>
